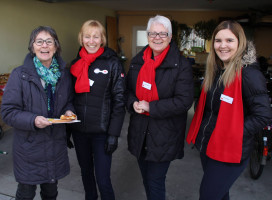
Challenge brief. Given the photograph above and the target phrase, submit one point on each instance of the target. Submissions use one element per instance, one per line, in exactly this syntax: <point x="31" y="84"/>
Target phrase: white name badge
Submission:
<point x="91" y="82"/>
<point x="226" y="98"/>
<point x="146" y="85"/>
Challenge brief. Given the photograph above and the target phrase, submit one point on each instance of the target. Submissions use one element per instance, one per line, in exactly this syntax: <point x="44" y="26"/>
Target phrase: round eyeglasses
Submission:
<point x="160" y="34"/>
<point x="49" y="42"/>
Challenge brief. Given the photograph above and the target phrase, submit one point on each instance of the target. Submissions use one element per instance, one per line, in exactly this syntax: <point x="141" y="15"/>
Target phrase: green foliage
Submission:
<point x="175" y="31"/>
<point x="184" y="32"/>
<point x="180" y="32"/>
<point x="204" y="29"/>
<point x="196" y="49"/>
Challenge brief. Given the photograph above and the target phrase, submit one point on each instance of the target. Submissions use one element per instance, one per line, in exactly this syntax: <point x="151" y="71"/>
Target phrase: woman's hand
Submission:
<point x="42" y="122"/>
<point x="144" y="105"/>
<point x="137" y="108"/>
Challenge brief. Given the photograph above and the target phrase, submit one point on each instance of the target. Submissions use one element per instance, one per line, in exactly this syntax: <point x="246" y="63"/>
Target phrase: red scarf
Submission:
<point x="81" y="67"/>
<point x="146" y="88"/>
<point x="226" y="141"/>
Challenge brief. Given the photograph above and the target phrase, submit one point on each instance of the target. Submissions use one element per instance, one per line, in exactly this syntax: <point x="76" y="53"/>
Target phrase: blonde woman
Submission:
<point x="100" y="105"/>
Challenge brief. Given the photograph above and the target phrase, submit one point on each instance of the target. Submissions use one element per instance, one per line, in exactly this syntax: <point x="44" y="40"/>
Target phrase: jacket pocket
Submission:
<point x="27" y="139"/>
<point x="26" y="95"/>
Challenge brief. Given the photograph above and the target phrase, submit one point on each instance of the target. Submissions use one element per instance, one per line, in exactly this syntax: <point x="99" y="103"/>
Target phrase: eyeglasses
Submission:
<point x="160" y="34"/>
<point x="40" y="42"/>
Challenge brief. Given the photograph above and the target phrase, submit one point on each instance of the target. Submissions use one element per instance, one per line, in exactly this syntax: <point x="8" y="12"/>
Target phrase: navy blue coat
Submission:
<point x="39" y="155"/>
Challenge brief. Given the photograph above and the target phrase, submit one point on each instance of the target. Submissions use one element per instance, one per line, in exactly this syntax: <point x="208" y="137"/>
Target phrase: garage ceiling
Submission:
<point x="136" y="5"/>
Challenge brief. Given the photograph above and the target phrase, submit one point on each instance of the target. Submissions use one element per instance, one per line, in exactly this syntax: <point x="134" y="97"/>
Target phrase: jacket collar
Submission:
<point x="249" y="56"/>
<point x="30" y="69"/>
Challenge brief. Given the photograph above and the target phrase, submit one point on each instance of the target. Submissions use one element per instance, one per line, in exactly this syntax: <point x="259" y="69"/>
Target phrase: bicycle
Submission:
<point x="261" y="153"/>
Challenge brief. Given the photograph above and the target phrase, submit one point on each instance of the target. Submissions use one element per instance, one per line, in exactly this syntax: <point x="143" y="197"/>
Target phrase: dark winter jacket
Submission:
<point x="102" y="110"/>
<point x="256" y="105"/>
<point x="161" y="133"/>
<point x="39" y="155"/>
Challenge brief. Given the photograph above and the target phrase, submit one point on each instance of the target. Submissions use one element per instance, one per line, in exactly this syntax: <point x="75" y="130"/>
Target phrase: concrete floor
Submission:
<point x="182" y="182"/>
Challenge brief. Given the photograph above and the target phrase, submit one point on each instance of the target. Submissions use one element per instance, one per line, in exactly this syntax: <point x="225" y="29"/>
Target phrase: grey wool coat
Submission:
<point x="39" y="155"/>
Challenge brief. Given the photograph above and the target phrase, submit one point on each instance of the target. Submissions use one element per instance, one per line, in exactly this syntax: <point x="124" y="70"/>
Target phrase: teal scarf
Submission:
<point x="50" y="76"/>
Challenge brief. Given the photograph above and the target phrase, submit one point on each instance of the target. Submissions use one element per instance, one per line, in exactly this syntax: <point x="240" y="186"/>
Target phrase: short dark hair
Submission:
<point x="46" y="29"/>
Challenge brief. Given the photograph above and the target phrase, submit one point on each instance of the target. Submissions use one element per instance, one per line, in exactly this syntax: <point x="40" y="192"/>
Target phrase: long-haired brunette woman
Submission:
<point x="232" y="108"/>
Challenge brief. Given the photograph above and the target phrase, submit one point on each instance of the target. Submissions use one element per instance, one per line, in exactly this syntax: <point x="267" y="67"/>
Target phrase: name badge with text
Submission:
<point x="146" y="85"/>
<point x="226" y="98"/>
<point x="91" y="82"/>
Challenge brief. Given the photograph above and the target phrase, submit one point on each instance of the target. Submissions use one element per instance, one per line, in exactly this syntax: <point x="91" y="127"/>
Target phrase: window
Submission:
<point x="139" y="39"/>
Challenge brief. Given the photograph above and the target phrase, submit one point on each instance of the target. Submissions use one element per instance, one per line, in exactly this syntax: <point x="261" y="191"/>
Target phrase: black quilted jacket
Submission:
<point x="102" y="110"/>
<point x="257" y="111"/>
<point x="161" y="133"/>
<point x="256" y="104"/>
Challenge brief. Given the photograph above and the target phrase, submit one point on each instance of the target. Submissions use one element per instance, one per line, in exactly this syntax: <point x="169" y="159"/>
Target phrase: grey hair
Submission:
<point x="158" y="19"/>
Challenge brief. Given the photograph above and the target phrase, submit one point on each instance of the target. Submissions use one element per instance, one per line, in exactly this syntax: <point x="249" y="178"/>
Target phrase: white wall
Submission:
<point x="19" y="17"/>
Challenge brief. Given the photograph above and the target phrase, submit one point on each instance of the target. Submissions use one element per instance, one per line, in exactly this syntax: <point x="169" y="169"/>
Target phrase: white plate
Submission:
<point x="61" y="121"/>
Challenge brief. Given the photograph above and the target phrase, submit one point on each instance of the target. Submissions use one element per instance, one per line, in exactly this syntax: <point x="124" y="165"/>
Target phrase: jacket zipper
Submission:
<point x="211" y="113"/>
<point x="85" y="108"/>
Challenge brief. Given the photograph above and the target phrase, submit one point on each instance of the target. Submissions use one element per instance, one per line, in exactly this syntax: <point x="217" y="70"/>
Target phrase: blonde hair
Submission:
<point x="235" y="63"/>
<point x="92" y="24"/>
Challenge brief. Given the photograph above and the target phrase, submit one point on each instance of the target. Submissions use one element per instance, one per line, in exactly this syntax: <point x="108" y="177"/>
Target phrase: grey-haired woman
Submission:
<point x="160" y="92"/>
<point x="38" y="90"/>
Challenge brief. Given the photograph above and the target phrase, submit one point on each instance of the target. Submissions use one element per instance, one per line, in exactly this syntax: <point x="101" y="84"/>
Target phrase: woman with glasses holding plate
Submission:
<point x="160" y="93"/>
<point x="38" y="90"/>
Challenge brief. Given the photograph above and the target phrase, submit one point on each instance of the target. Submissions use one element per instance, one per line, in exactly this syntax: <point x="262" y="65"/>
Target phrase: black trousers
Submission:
<point x="154" y="175"/>
<point x="49" y="191"/>
<point x="95" y="165"/>
<point x="218" y="178"/>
